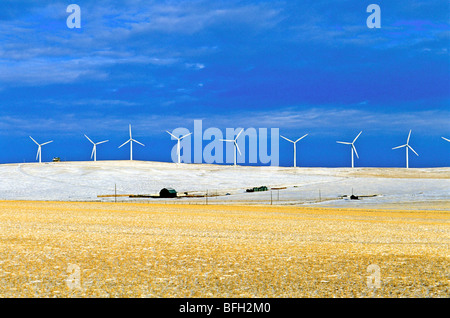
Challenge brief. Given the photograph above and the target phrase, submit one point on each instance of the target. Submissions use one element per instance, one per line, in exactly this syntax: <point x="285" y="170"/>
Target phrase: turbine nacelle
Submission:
<point x="38" y="154"/>
<point x="94" y="148"/>
<point x="178" y="144"/>
<point x="407" y="146"/>
<point x="131" y="140"/>
<point x="236" y="146"/>
<point x="353" y="148"/>
<point x="295" y="150"/>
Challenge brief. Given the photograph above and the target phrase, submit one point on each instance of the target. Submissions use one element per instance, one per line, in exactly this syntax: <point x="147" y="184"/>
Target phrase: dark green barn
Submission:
<point x="168" y="193"/>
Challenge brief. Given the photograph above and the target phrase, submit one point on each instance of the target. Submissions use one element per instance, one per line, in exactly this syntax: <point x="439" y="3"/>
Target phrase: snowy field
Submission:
<point x="96" y="181"/>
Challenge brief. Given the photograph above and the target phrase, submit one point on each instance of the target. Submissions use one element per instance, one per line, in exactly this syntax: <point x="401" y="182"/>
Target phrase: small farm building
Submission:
<point x="168" y="193"/>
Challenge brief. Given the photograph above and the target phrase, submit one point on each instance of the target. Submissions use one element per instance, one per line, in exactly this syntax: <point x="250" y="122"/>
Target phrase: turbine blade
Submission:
<point x="46" y="142"/>
<point x="124" y="143"/>
<point x="344" y="143"/>
<point x="171" y="134"/>
<point x="34" y="141"/>
<point x="286" y="138"/>
<point x="88" y="138"/>
<point x="130" y="131"/>
<point x="237" y="147"/>
<point x="301" y="138"/>
<point x="239" y="134"/>
<point x="400" y="146"/>
<point x="354" y="148"/>
<point x="445" y="139"/>
<point x="101" y="142"/>
<point x="37" y="154"/>
<point x="409" y="136"/>
<point x="226" y="140"/>
<point x="138" y="142"/>
<point x="93" y="150"/>
<point x="185" y="136"/>
<point x="357" y="137"/>
<point x="413" y="150"/>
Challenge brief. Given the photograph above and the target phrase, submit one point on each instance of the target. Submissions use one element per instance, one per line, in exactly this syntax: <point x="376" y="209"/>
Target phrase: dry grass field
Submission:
<point x="60" y="249"/>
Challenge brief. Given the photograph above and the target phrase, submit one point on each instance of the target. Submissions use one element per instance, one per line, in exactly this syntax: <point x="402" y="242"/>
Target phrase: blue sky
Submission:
<point x="301" y="66"/>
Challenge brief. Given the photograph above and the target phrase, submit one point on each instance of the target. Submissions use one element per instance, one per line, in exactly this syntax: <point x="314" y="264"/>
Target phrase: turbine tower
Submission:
<point x="234" y="141"/>
<point x="131" y="144"/>
<point x="38" y="155"/>
<point x="446" y="139"/>
<point x="295" y="150"/>
<point x="353" y="148"/>
<point x="178" y="144"/>
<point x="407" y="146"/>
<point x="94" y="149"/>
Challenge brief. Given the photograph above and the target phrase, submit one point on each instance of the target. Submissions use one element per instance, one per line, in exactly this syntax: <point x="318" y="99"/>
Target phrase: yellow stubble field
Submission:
<point x="77" y="249"/>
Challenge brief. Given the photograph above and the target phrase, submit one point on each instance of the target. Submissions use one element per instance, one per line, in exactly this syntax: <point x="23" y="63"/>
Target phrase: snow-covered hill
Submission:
<point x="322" y="186"/>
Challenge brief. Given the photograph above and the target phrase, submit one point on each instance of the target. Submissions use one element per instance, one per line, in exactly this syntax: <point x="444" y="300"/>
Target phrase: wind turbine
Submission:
<point x="353" y="147"/>
<point x="39" y="148"/>
<point x="178" y="144"/>
<point x="295" y="150"/>
<point x="131" y="144"/>
<point x="407" y="146"/>
<point x="94" y="149"/>
<point x="445" y="139"/>
<point x="235" y="145"/>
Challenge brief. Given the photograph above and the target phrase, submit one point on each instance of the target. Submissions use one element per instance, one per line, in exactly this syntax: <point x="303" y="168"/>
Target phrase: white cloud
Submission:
<point x="329" y="120"/>
<point x="43" y="71"/>
<point x="196" y="66"/>
<point x="320" y="121"/>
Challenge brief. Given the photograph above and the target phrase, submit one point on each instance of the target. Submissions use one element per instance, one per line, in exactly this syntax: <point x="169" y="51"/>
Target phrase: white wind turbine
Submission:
<point x="234" y="141"/>
<point x="94" y="149"/>
<point x="445" y="139"/>
<point x="353" y="148"/>
<point x="38" y="155"/>
<point x="295" y="148"/>
<point x="178" y="144"/>
<point x="407" y="146"/>
<point x="131" y="144"/>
